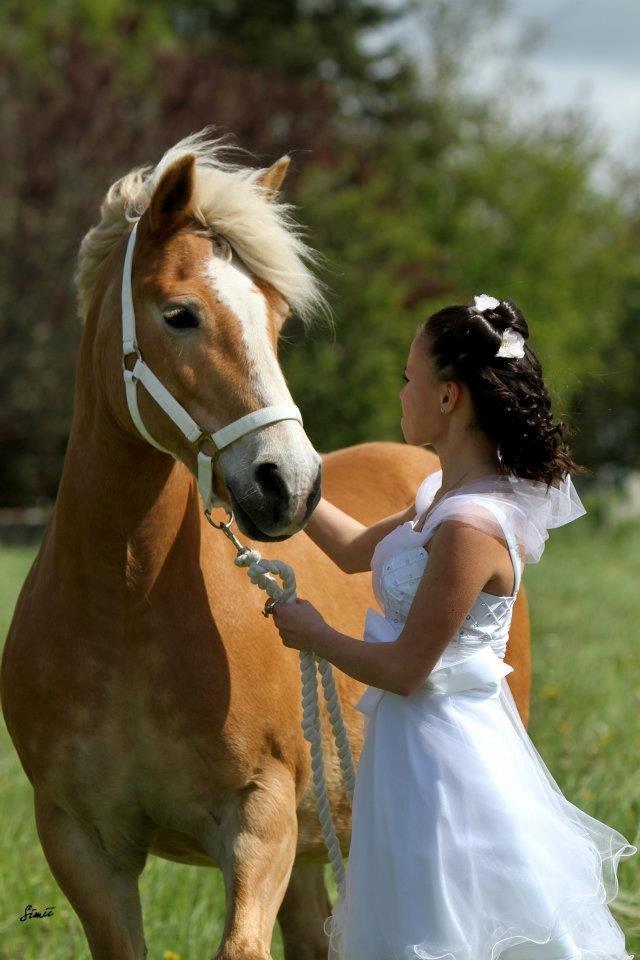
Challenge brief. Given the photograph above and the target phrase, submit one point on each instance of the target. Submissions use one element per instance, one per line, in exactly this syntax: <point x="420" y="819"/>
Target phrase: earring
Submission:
<point x="441" y="409"/>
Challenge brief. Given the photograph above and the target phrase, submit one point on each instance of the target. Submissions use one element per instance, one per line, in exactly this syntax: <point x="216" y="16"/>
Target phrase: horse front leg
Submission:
<point x="104" y="894"/>
<point x="255" y="847"/>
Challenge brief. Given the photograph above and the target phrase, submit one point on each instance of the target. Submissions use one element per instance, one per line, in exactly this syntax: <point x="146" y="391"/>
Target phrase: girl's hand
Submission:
<point x="299" y="624"/>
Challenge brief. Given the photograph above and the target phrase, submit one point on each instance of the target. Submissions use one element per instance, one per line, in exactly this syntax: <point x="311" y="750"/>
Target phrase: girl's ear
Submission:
<point x="450" y="392"/>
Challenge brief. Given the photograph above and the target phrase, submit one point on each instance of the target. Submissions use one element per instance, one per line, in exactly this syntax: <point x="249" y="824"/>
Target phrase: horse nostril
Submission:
<point x="316" y="492"/>
<point x="268" y="478"/>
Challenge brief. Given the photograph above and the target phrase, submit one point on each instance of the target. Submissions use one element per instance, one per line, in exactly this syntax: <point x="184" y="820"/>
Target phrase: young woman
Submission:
<point x="463" y="847"/>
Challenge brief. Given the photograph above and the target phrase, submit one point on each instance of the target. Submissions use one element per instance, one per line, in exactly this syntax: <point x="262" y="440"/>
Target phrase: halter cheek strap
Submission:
<point x="141" y="373"/>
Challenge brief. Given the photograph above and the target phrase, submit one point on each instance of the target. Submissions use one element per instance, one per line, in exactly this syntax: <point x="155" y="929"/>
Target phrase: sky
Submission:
<point x="587" y="55"/>
<point x="590" y="54"/>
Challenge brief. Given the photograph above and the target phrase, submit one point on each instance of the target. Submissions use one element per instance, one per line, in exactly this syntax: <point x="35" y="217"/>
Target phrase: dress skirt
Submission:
<point x="463" y="846"/>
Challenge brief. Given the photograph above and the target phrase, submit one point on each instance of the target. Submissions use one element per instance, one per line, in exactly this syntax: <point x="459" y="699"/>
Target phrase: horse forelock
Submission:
<point x="227" y="199"/>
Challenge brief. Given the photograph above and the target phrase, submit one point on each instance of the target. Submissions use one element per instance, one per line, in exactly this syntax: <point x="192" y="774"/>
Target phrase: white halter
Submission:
<point x="140" y="372"/>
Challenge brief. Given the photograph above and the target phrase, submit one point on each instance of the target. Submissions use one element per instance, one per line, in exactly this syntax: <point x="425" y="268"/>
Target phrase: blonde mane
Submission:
<point x="228" y="199"/>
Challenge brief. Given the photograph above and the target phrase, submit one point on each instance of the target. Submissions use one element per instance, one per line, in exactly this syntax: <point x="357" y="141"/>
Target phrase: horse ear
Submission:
<point x="171" y="200"/>
<point x="271" y="179"/>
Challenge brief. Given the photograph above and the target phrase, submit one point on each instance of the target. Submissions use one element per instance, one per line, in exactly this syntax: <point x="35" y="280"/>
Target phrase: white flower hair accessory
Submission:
<point x="484" y="302"/>
<point x="511" y="342"/>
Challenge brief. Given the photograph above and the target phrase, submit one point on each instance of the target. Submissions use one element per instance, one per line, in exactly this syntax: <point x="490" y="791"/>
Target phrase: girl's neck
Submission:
<point x="458" y="474"/>
<point x="479" y="470"/>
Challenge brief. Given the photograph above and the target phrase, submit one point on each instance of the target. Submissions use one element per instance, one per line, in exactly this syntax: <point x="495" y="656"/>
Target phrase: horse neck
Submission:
<point x="122" y="506"/>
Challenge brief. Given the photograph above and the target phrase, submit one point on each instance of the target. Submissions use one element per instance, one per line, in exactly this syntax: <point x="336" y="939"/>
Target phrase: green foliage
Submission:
<point x="127" y="33"/>
<point x="526" y="223"/>
<point x="302" y="35"/>
<point x="349" y="383"/>
<point x="606" y="408"/>
<point x="430" y="221"/>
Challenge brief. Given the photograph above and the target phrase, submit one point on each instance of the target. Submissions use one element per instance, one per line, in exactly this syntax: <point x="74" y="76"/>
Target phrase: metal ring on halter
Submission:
<point x="130" y="353"/>
<point x="216" y="449"/>
<point x="225" y="529"/>
<point x="220" y="526"/>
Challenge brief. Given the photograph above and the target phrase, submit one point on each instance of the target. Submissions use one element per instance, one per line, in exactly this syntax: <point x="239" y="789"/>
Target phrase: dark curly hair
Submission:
<point x="510" y="401"/>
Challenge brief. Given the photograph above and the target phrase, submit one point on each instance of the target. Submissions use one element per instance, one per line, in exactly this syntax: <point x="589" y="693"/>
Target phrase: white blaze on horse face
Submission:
<point x="284" y="443"/>
<point x="235" y="288"/>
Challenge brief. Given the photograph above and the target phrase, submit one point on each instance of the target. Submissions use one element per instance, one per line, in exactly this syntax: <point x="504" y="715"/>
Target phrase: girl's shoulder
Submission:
<point x="482" y="511"/>
<point x="517" y="510"/>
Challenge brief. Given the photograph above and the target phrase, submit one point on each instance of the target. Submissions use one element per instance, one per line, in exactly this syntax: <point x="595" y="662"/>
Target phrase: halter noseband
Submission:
<point x="141" y="373"/>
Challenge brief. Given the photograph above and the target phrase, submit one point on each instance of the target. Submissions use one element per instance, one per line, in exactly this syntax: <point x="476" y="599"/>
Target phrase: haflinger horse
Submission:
<point x="153" y="708"/>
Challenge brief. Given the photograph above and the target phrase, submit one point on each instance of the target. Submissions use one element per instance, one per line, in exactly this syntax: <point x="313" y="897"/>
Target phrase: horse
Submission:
<point x="163" y="713"/>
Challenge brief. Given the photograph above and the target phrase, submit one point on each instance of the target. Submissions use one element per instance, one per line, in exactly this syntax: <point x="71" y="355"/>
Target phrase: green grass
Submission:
<point x="585" y="722"/>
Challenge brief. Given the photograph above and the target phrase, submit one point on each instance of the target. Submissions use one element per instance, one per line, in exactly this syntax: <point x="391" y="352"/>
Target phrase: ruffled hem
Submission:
<point x="576" y="921"/>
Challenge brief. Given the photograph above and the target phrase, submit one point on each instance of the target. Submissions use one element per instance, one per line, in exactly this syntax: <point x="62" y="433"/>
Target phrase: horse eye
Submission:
<point x="180" y="318"/>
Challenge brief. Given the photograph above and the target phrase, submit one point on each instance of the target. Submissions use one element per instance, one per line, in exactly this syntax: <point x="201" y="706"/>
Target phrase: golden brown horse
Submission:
<point x="164" y="715"/>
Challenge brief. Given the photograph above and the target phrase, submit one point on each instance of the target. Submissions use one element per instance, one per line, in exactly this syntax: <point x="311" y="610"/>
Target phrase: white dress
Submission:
<point x="463" y="847"/>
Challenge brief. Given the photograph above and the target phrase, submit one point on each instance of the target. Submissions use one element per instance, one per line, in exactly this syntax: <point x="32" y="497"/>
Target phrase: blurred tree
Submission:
<point x="91" y="89"/>
<point x="125" y="34"/>
<point x="606" y="409"/>
<point x="606" y="405"/>
<point x="303" y="40"/>
<point x="514" y="218"/>
<point x="455" y="201"/>
<point x="305" y="36"/>
<point x="419" y="190"/>
<point x="62" y="147"/>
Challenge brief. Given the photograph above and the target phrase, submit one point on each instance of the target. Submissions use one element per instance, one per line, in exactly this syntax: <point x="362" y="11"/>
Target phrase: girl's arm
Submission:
<point x="462" y="560"/>
<point x="349" y="543"/>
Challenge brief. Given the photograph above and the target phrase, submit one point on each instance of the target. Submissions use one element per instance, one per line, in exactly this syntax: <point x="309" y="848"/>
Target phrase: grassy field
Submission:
<point x="585" y="606"/>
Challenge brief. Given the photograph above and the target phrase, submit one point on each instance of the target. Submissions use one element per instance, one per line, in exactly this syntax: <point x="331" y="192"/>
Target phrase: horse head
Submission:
<point x="215" y="269"/>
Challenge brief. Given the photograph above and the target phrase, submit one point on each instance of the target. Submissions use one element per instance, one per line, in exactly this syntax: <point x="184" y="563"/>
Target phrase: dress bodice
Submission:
<point x="398" y="565"/>
<point x="474" y="657"/>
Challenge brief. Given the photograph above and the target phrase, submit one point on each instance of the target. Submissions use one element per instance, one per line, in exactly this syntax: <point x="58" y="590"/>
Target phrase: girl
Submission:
<point x="463" y="847"/>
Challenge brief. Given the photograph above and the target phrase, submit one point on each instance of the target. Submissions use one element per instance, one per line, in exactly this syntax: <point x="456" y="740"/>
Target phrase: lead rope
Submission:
<point x="258" y="572"/>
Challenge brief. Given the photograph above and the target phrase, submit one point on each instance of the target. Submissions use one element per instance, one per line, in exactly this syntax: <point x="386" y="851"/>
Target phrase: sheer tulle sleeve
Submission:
<point x="528" y="507"/>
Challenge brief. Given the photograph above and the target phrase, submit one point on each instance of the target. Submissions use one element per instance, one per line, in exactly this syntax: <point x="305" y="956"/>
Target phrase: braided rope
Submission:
<point x="258" y="571"/>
